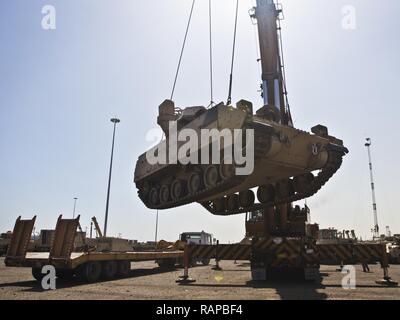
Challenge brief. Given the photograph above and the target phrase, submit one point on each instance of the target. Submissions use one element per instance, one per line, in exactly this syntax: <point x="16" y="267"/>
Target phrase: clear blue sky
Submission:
<point x="58" y="90"/>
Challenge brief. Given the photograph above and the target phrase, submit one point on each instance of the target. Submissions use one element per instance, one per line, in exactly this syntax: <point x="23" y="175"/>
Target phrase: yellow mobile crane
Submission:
<point x="290" y="165"/>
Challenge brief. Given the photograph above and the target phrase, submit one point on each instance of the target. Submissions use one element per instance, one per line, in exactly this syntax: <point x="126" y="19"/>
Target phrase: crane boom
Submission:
<point x="96" y="225"/>
<point x="267" y="16"/>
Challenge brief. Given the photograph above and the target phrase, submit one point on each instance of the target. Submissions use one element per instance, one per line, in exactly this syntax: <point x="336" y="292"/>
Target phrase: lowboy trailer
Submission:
<point x="87" y="265"/>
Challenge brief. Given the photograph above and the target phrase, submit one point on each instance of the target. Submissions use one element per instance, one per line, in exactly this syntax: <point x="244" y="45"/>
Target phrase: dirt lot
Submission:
<point x="147" y="281"/>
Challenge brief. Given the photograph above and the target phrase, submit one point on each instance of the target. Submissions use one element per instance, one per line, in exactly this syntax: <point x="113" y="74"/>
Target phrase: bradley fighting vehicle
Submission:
<point x="289" y="164"/>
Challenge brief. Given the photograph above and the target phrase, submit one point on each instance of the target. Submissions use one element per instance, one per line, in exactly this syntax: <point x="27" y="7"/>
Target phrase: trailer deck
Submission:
<point x="40" y="259"/>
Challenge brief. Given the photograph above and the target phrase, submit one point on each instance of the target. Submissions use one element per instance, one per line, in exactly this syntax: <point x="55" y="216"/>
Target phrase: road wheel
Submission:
<point x="164" y="194"/>
<point x="211" y="177"/>
<point x="194" y="183"/>
<point x="153" y="197"/>
<point x="177" y="190"/>
<point x="226" y="171"/>
<point x="205" y="262"/>
<point x="89" y="272"/>
<point x="109" y="270"/>
<point x="37" y="274"/>
<point x="124" y="267"/>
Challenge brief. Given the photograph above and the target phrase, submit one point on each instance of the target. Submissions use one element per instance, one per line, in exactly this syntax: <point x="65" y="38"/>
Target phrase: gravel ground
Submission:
<point x="147" y="281"/>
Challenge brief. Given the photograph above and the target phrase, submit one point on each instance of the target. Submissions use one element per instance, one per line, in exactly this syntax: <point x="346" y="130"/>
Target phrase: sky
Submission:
<point x="59" y="88"/>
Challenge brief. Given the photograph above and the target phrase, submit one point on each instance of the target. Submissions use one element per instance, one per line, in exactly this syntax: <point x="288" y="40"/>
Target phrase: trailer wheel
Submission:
<point x="37" y="274"/>
<point x="65" y="275"/>
<point x="124" y="267"/>
<point x="166" y="263"/>
<point x="109" y="269"/>
<point x="89" y="272"/>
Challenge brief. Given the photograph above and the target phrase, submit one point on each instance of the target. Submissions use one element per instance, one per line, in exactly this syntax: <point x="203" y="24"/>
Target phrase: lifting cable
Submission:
<point x="183" y="49"/>
<point x="233" y="55"/>
<point x="283" y="67"/>
<point x="211" y="55"/>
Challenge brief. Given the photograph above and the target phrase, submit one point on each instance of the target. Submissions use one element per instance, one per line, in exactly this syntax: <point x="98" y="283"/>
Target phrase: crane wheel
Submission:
<point x="109" y="270"/>
<point x="124" y="267"/>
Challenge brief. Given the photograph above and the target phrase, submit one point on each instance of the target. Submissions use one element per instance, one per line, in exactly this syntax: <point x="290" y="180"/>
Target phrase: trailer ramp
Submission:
<point x="64" y="240"/>
<point x="20" y="240"/>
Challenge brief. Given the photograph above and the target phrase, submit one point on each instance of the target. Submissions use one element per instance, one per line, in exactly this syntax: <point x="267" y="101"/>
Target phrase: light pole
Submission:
<point x="156" y="237"/>
<point x="73" y="213"/>
<point x="115" y="121"/>
<point x="374" y="207"/>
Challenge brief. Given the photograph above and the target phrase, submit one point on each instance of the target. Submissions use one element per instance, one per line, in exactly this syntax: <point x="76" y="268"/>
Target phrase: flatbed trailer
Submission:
<point x="87" y="265"/>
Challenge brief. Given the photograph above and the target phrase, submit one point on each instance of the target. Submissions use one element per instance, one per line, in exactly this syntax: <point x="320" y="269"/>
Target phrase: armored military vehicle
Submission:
<point x="288" y="164"/>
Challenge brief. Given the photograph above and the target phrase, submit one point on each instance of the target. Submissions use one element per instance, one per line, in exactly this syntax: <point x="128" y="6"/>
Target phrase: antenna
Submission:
<point x="374" y="207"/>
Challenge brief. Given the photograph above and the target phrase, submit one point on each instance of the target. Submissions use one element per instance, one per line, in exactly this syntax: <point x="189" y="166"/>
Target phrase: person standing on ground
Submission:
<point x="365" y="267"/>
